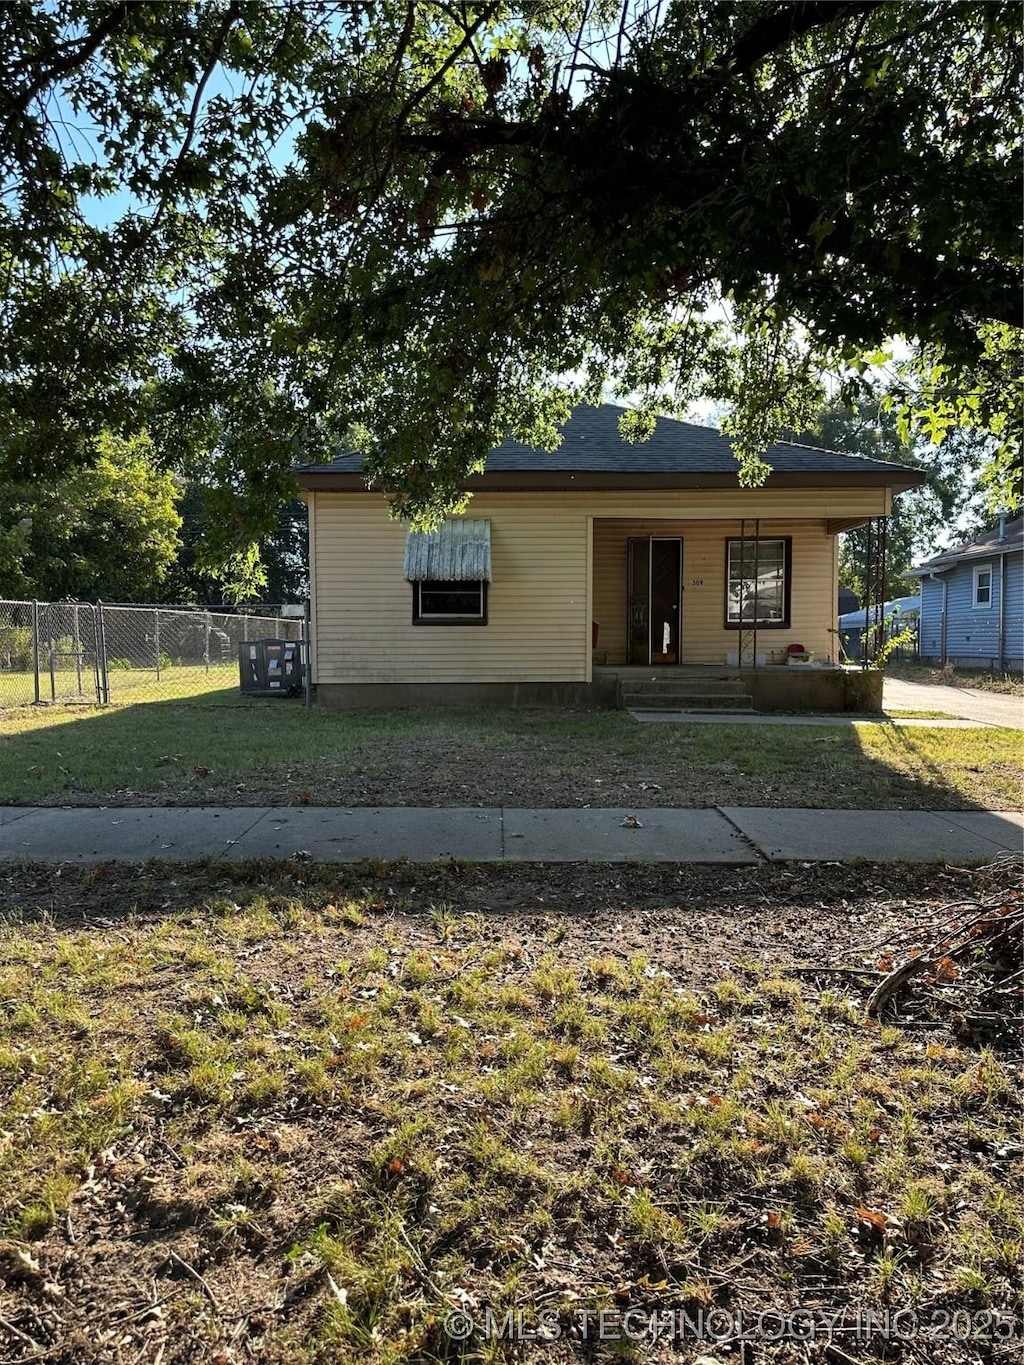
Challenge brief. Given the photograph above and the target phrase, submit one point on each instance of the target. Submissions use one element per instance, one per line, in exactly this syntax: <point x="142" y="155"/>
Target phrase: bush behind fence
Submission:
<point x="91" y="652"/>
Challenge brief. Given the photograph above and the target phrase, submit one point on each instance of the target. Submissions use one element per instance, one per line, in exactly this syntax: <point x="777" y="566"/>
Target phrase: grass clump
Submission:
<point x="367" y="1121"/>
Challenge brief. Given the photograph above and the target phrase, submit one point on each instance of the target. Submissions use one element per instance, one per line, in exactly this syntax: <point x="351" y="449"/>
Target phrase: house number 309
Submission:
<point x="696" y="582"/>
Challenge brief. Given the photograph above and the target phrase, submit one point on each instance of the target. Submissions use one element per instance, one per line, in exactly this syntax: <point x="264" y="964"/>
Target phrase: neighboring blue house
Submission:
<point x="972" y="601"/>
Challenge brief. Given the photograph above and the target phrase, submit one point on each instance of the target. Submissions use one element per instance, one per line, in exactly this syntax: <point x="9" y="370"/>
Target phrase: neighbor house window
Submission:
<point x="983" y="585"/>
<point x="443" y="603"/>
<point x="757" y="582"/>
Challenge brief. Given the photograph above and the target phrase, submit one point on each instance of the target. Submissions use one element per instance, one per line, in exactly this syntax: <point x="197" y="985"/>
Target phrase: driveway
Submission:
<point x="991" y="708"/>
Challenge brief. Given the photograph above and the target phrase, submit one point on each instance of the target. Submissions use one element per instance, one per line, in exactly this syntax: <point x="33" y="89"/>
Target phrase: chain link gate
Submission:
<point x="70" y="652"/>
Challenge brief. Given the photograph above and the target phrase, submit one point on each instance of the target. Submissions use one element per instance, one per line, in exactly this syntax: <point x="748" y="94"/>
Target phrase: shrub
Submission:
<point x="120" y="662"/>
<point x="16" y="648"/>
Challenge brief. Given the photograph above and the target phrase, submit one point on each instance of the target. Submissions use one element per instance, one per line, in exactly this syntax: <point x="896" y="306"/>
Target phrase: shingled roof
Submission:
<point x="591" y="445"/>
<point x="999" y="540"/>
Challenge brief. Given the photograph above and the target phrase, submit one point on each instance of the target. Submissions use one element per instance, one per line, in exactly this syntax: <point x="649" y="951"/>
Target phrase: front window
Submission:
<point x="757" y="588"/>
<point x="983" y="586"/>
<point x="435" y="602"/>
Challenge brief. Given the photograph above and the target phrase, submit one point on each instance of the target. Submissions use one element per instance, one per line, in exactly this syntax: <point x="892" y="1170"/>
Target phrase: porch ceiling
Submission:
<point x="834" y="525"/>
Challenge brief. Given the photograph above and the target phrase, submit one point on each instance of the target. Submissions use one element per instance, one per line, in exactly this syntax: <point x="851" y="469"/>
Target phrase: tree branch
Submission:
<point x="71" y="61"/>
<point x="485" y="15"/>
<point x="781" y="27"/>
<point x="216" y="48"/>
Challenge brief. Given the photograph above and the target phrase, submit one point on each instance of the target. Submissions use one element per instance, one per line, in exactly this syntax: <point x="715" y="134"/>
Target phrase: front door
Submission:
<point x="654" y="593"/>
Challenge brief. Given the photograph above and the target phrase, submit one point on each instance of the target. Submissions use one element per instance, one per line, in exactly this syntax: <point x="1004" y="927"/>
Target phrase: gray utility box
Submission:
<point x="271" y="668"/>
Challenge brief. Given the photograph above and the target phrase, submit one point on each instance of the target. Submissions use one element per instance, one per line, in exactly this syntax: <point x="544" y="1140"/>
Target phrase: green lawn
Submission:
<point x="219" y="748"/>
<point x="126" y="684"/>
<point x="300" y="1119"/>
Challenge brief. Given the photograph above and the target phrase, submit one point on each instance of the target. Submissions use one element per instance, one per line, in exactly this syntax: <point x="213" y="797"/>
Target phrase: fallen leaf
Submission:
<point x="873" y="1219"/>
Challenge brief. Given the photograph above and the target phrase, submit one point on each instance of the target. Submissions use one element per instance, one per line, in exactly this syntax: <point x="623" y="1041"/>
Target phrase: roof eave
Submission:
<point x="541" y="481"/>
<point x="949" y="561"/>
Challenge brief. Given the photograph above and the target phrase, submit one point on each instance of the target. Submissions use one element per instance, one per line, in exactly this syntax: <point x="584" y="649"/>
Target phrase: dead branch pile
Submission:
<point x="964" y="959"/>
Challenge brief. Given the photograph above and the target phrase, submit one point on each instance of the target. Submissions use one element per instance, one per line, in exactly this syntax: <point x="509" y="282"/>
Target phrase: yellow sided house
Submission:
<point x="600" y="574"/>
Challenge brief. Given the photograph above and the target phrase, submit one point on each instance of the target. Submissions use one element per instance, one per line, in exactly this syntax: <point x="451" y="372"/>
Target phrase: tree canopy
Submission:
<point x="922" y="518"/>
<point x="107" y="529"/>
<point x="260" y="229"/>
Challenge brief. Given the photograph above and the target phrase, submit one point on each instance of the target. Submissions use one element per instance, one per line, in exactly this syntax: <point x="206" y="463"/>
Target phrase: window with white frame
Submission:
<point x="983" y="585"/>
<point x="758" y="576"/>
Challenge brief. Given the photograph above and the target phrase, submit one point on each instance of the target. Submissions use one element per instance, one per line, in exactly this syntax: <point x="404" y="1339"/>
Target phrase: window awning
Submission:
<point x="457" y="552"/>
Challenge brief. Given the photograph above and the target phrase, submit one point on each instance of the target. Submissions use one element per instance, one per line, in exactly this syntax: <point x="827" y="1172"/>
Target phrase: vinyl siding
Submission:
<point x="537" y="628"/>
<point x="929" y="636"/>
<point x="541" y="600"/>
<point x="972" y="633"/>
<point x="311" y="532"/>
<point x="1014" y="627"/>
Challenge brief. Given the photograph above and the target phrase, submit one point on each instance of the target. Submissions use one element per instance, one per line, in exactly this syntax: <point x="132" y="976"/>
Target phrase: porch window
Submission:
<point x="983" y="585"/>
<point x="449" y="570"/>
<point x="758" y="574"/>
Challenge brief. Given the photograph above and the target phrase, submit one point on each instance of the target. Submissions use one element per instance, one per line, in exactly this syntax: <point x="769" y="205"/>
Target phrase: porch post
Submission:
<point x="867" y="593"/>
<point x="757" y="582"/>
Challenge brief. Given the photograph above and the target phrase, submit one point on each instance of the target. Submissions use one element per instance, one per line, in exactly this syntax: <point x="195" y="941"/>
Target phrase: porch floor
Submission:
<point x="703" y="672"/>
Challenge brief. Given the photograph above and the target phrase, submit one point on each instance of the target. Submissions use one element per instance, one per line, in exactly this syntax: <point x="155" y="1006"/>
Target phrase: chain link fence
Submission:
<point x="95" y="653"/>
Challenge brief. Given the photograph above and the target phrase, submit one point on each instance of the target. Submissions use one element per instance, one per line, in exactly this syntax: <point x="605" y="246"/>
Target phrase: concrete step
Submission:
<point x="629" y="675"/>
<point x="692" y="687"/>
<point x="695" y="711"/>
<point x="674" y="701"/>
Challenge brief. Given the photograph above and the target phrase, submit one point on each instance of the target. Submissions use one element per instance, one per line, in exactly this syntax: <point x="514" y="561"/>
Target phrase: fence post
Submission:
<point x="307" y="661"/>
<point x="206" y="643"/>
<point x="104" y="669"/>
<point x="96" y="655"/>
<point x="156" y="639"/>
<point x="78" y="647"/>
<point x="35" y="649"/>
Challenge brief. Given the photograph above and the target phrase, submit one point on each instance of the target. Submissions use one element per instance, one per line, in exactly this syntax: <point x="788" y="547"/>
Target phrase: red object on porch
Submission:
<point x="795" y="649"/>
<point x="594" y="628"/>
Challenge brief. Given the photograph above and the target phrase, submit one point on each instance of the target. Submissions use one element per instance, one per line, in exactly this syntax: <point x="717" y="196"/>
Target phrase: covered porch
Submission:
<point x="725" y="592"/>
<point x="721" y="613"/>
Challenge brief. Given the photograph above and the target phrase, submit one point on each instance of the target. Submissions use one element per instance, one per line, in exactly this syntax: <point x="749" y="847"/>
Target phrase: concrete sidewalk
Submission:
<point x="740" y="834"/>
<point x="778" y="718"/>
